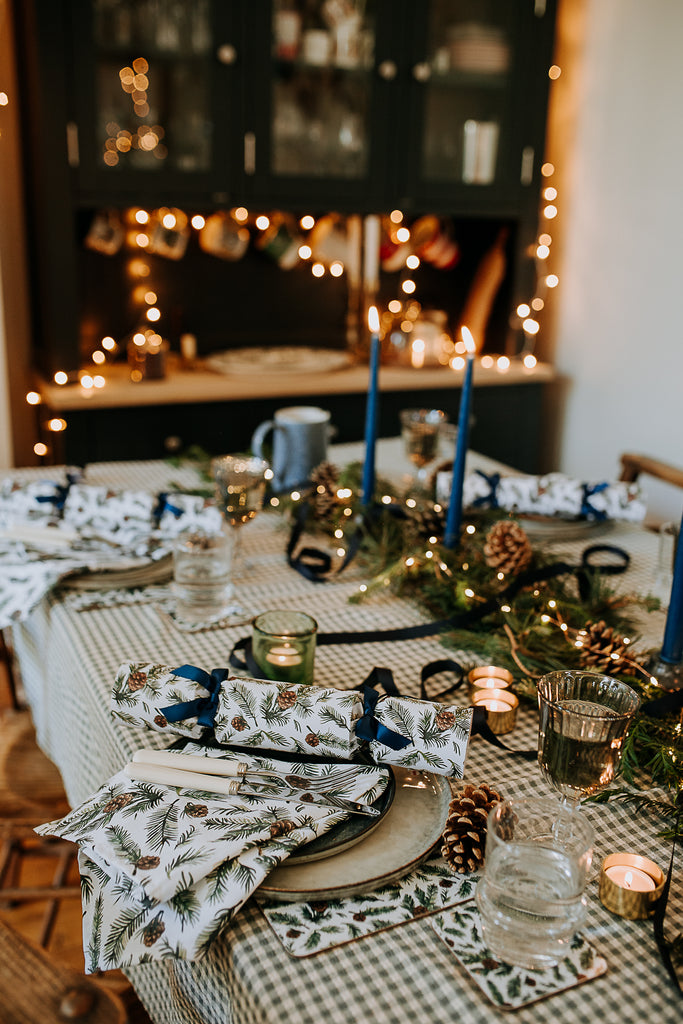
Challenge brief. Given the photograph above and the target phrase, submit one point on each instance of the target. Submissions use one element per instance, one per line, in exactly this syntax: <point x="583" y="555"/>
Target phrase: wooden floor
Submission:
<point x="21" y="798"/>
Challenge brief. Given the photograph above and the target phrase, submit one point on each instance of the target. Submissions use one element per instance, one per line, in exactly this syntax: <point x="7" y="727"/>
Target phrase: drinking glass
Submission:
<point x="583" y="720"/>
<point x="239" y="487"/>
<point x="201" y="575"/>
<point x="531" y="896"/>
<point x="420" y="430"/>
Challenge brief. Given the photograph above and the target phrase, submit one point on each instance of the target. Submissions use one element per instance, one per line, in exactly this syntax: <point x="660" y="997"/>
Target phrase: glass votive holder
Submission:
<point x="283" y="645"/>
<point x="201" y="575"/>
<point x="630" y="885"/>
<point x="147" y="353"/>
<point x="501" y="709"/>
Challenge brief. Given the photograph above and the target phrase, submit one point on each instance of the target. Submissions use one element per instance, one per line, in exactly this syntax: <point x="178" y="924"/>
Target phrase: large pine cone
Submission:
<point x="507" y="548"/>
<point x="602" y="649"/>
<point x="429" y="520"/>
<point x="464" y="837"/>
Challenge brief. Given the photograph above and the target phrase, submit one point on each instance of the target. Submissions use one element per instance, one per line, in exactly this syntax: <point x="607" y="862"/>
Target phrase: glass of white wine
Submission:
<point x="421" y="433"/>
<point x="583" y="721"/>
<point x="239" y="488"/>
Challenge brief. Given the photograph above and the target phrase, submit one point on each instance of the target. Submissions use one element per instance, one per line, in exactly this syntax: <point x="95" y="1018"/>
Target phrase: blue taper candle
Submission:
<point x="672" y="647"/>
<point x="454" y="514"/>
<point x="371" y="410"/>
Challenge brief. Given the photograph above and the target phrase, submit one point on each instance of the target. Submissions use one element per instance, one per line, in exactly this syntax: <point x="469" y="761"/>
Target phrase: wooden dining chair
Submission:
<point x="632" y="466"/>
<point x="35" y="988"/>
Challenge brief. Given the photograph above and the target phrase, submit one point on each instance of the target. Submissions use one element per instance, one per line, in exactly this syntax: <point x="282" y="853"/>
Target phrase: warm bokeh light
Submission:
<point x="502" y="363"/>
<point x="198" y="221"/>
<point x="487" y="362"/>
<point x="60" y="377"/>
<point x="305" y="252"/>
<point x="550" y="193"/>
<point x="395" y="306"/>
<point x="150" y="298"/>
<point x="554" y="72"/>
<point x="142" y="240"/>
<point x="33" y="398"/>
<point x="153" y="314"/>
<point x="141" y="216"/>
<point x="318" y="270"/>
<point x="408" y="286"/>
<point x="39" y="448"/>
<point x="99" y="381"/>
<point x="457" y="363"/>
<point x="547" y="169"/>
<point x="402" y="235"/>
<point x="545" y="239"/>
<point x="537" y="303"/>
<point x="336" y="268"/>
<point x="307" y="222"/>
<point x="552" y="281"/>
<point x="550" y="211"/>
<point x="413" y="261"/>
<point x="108" y="343"/>
<point x="56" y="424"/>
<point x="396" y="216"/>
<point x="98" y="357"/>
<point x="262" y="222"/>
<point x="240" y="213"/>
<point x="531" y="326"/>
<point x="169" y="220"/>
<point x="4" y="99"/>
<point x="523" y="310"/>
<point x="86" y="381"/>
<point x="529" y="361"/>
<point x="542" y="252"/>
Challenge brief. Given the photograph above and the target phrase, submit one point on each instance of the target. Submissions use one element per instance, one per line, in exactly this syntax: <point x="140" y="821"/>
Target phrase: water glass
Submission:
<point x="283" y="645"/>
<point x="531" y="896"/>
<point x="201" y="575"/>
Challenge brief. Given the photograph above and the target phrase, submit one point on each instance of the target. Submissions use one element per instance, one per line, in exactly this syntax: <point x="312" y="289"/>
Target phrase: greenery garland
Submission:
<point x="542" y="628"/>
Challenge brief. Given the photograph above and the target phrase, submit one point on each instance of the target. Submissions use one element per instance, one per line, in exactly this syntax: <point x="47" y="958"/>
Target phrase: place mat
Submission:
<point x="506" y="986"/>
<point x="305" y="929"/>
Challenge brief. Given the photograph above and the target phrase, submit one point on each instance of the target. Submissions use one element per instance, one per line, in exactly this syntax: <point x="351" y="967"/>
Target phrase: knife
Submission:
<point x="164" y="776"/>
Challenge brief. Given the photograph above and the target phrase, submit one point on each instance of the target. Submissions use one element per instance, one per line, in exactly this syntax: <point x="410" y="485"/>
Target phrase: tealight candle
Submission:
<point x="285" y="655"/>
<point x="489" y="677"/>
<point x="630" y="885"/>
<point x="501" y="709"/>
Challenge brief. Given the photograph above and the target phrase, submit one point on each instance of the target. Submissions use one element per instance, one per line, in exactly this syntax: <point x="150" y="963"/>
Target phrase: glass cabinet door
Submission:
<point x="316" y="124"/>
<point x="146" y="90"/>
<point x="467" y="88"/>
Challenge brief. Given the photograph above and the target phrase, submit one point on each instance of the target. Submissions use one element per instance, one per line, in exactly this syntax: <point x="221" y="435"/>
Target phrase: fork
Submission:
<point x="232" y="768"/>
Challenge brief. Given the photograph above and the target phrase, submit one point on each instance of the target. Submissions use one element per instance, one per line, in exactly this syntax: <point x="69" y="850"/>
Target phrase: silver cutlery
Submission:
<point x="163" y="775"/>
<point x="232" y="768"/>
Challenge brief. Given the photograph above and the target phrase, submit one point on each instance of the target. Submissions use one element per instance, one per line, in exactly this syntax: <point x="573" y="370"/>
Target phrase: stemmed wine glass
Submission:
<point x="239" y="486"/>
<point x="583" y="720"/>
<point x="421" y="432"/>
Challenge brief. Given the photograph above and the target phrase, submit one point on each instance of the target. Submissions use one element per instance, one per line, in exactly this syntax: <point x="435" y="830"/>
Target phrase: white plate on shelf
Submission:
<point x="278" y="359"/>
<point x="401" y="841"/>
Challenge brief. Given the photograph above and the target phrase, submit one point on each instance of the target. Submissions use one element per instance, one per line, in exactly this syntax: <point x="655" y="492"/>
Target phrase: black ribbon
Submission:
<point x="203" y="708"/>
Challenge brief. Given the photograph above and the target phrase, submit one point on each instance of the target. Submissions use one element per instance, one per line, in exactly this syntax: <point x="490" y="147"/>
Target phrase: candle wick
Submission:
<point x="628" y="879"/>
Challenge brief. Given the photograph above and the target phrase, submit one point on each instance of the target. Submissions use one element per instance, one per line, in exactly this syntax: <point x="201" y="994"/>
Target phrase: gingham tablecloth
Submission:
<point x="68" y="660"/>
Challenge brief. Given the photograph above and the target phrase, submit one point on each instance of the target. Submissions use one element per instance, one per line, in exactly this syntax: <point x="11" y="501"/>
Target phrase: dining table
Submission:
<point x="68" y="650"/>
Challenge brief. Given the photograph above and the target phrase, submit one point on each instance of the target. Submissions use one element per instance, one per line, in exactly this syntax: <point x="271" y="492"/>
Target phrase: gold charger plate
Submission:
<point x="402" y="839"/>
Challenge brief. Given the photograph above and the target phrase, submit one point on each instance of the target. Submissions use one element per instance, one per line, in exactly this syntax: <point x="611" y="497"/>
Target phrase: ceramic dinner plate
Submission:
<point x="278" y="359"/>
<point x="555" y="528"/>
<point x="355" y="829"/>
<point x="402" y="839"/>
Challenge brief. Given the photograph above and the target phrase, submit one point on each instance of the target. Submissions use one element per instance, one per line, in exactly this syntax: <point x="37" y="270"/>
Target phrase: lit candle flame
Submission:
<point x="628" y="880"/>
<point x="373" y="320"/>
<point x="466" y="335"/>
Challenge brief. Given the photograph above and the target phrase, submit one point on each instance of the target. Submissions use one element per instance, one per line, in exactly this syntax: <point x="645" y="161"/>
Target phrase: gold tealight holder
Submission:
<point x="488" y="677"/>
<point x="501" y="709"/>
<point x="630" y="885"/>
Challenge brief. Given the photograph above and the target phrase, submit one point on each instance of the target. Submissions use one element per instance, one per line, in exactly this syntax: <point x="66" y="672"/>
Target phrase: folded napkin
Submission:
<point x="316" y="720"/>
<point x="50" y="531"/>
<point x="551" y="495"/>
<point x="163" y="861"/>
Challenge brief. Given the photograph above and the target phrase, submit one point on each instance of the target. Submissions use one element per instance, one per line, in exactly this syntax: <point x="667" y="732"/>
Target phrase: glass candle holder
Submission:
<point x="283" y="645"/>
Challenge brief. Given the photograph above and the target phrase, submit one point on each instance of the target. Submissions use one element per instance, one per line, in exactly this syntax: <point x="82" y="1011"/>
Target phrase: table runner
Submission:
<point x="68" y="661"/>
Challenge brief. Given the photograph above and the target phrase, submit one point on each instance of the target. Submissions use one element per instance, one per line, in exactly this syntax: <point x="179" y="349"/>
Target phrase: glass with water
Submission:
<point x="531" y="896"/>
<point x="201" y="575"/>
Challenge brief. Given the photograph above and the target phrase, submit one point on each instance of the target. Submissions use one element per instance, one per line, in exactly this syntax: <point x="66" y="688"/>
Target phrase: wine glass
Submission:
<point x="421" y="430"/>
<point x="583" y="720"/>
<point x="239" y="486"/>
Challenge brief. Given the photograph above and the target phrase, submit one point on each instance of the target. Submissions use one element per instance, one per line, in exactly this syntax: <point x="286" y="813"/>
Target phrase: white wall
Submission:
<point x="619" y="321"/>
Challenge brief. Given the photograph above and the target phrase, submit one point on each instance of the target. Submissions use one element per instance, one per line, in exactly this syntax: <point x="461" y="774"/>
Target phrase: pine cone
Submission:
<point x="136" y="680"/>
<point x="325" y="482"/>
<point x="286" y="698"/>
<point x="464" y="837"/>
<point x="281" y="828"/>
<point x="445" y="720"/>
<point x="147" y="863"/>
<point x="196" y="810"/>
<point x="154" y="930"/>
<point x="117" y="803"/>
<point x="507" y="548"/>
<point x="238" y="723"/>
<point x="602" y="649"/>
<point x="312" y="739"/>
<point x="429" y="520"/>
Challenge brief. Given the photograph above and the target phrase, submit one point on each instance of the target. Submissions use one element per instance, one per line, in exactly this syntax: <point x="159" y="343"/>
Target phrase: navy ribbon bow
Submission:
<point x="164" y="505"/>
<point x="490" y="500"/>
<point x="58" y="499"/>
<point x="368" y="727"/>
<point x="587" y="508"/>
<point x="204" y="708"/>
